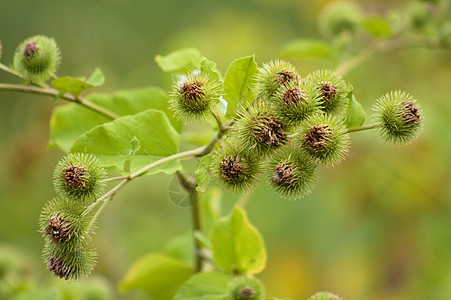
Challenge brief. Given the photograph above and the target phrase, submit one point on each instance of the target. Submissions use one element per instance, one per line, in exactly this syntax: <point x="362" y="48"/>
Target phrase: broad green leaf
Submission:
<point x="75" y="85"/>
<point x="238" y="82"/>
<point x="203" y="173"/>
<point x="181" y="247"/>
<point x="96" y="78"/>
<point x="199" y="136"/>
<point x="110" y="141"/>
<point x="209" y="68"/>
<point x="70" y="85"/>
<point x="211" y="207"/>
<point x="204" y="286"/>
<point x="180" y="61"/>
<point x="237" y="246"/>
<point x="377" y="26"/>
<point x="355" y="115"/>
<point x="70" y="121"/>
<point x="135" y="146"/>
<point x="158" y="274"/>
<point x="310" y="49"/>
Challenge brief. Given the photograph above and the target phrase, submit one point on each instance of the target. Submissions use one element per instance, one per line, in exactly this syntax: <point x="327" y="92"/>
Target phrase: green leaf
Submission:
<point x="355" y="115"/>
<point x="75" y="85"/>
<point x="181" y="247"/>
<point x="237" y="246"/>
<point x="310" y="49"/>
<point x="70" y="85"/>
<point x="199" y="136"/>
<point x="131" y="154"/>
<point x="96" y="78"/>
<point x="238" y="82"/>
<point x="158" y="274"/>
<point x="377" y="26"/>
<point x="211" y="207"/>
<point x="180" y="61"/>
<point x="70" y="121"/>
<point x="203" y="173"/>
<point x="109" y="141"/>
<point x="209" y="68"/>
<point x="204" y="286"/>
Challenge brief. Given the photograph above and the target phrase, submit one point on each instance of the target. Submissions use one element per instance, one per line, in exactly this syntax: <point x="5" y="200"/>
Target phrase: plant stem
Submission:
<point x="116" y="178"/>
<point x="361" y="128"/>
<point x="221" y="131"/>
<point x="392" y="45"/>
<point x="54" y="93"/>
<point x="244" y="198"/>
<point x="196" y="217"/>
<point x="108" y="195"/>
<point x="217" y="118"/>
<point x="201" y="151"/>
<point x="10" y="71"/>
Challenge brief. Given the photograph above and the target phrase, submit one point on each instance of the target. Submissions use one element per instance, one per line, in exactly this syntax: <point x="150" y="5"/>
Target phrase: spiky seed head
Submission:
<point x="246" y="288"/>
<point x="234" y="170"/>
<point x="193" y="96"/>
<point x="339" y="17"/>
<point x="58" y="267"/>
<point x="62" y="222"/>
<point x="324" y="296"/>
<point x="79" y="176"/>
<point x="67" y="228"/>
<point x="292" y="174"/>
<point x="272" y="76"/>
<point x="37" y="58"/>
<point x="333" y="91"/>
<point x="296" y="102"/>
<point x="69" y="265"/>
<point x="259" y="129"/>
<point x="324" y="138"/>
<point x="58" y="229"/>
<point x="400" y="116"/>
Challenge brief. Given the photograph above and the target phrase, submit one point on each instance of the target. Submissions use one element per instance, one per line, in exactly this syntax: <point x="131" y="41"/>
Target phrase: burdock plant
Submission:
<point x="291" y="173"/>
<point x="194" y="96"/>
<point x="324" y="139"/>
<point x="79" y="176"/>
<point x="400" y="117"/>
<point x="272" y="76"/>
<point x="260" y="130"/>
<point x="271" y="123"/>
<point x="37" y="58"/>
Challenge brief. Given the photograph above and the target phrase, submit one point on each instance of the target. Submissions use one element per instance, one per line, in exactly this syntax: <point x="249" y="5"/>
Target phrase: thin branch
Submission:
<point x="221" y="131"/>
<point x="386" y="46"/>
<point x="116" y="178"/>
<point x="201" y="151"/>
<point x="218" y="119"/>
<point x="10" y="71"/>
<point x="54" y="93"/>
<point x="196" y="217"/>
<point x="362" y="128"/>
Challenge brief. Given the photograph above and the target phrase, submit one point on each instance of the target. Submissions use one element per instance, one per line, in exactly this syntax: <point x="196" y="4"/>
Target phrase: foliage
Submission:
<point x="272" y="124"/>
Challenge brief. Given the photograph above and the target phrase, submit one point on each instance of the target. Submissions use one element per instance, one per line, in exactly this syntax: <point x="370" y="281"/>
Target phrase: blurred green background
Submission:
<point x="377" y="226"/>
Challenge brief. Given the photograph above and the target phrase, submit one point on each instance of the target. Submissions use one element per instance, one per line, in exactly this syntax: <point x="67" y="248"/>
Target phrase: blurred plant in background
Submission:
<point x="377" y="226"/>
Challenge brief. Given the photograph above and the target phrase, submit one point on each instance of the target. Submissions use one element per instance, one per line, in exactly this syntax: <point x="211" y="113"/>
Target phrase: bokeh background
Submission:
<point x="377" y="226"/>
